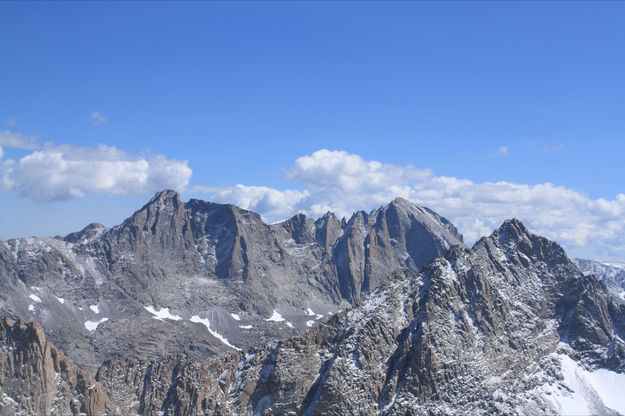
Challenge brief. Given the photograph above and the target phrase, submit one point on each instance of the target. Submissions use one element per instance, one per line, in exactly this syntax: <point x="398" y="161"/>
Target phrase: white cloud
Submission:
<point x="65" y="171"/>
<point x="17" y="140"/>
<point x="98" y="118"/>
<point x="1" y="152"/>
<point x="341" y="182"/>
<point x="268" y="201"/>
<point x="11" y="121"/>
<point x="503" y="151"/>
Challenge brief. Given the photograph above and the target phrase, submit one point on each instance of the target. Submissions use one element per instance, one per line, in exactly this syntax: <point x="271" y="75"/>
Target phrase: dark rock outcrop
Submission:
<point x="37" y="378"/>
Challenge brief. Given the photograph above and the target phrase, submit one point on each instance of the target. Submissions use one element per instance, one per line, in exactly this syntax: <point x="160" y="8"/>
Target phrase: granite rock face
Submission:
<point x="510" y="326"/>
<point x="206" y="277"/>
<point x="37" y="378"/>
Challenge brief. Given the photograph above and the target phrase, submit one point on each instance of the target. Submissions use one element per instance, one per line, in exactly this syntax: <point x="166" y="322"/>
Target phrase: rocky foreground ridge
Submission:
<point x="510" y="326"/>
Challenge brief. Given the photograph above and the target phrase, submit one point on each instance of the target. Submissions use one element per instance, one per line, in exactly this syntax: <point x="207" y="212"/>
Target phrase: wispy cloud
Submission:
<point x="98" y="118"/>
<point x="546" y="147"/>
<point x="342" y="182"/>
<point x="17" y="140"/>
<point x="65" y="171"/>
<point x="503" y="151"/>
<point x="11" y="121"/>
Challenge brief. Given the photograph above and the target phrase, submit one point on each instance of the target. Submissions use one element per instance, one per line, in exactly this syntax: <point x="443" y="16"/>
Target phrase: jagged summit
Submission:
<point x="90" y="232"/>
<point x="171" y="197"/>
<point x="513" y="229"/>
<point x="164" y="195"/>
<point x="513" y="238"/>
<point x="162" y="200"/>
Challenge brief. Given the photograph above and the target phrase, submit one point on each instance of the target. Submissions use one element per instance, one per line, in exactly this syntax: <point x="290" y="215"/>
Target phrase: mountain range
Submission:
<point x="201" y="308"/>
<point x="216" y="277"/>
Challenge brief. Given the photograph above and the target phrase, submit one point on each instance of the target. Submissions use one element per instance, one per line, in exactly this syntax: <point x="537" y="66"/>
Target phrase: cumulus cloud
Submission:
<point x="268" y="201"/>
<point x="98" y="118"/>
<point x="342" y="182"/>
<point x="503" y="151"/>
<point x="17" y="140"/>
<point x="65" y="171"/>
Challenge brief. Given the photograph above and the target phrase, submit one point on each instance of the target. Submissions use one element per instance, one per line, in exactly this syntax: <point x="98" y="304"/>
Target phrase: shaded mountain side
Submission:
<point x="206" y="277"/>
<point x="510" y="326"/>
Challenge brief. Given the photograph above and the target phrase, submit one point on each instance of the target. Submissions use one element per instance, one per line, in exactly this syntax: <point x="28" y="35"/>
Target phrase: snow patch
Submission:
<point x="245" y="326"/>
<point x="162" y="313"/>
<point x="310" y="312"/>
<point x="290" y="325"/>
<point x="622" y="295"/>
<point x="61" y="300"/>
<point x="93" y="325"/>
<point x="35" y="298"/>
<point x="583" y="389"/>
<point x="310" y="323"/>
<point x="235" y="316"/>
<point x="207" y="324"/>
<point x="31" y="307"/>
<point x="276" y="317"/>
<point x="95" y="309"/>
<point x="610" y="386"/>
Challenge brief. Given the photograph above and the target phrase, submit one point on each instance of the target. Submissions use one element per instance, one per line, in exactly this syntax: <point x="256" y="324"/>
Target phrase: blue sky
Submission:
<point x="202" y="96"/>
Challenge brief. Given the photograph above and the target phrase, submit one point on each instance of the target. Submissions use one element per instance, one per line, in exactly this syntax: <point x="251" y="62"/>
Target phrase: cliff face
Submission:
<point x="206" y="277"/>
<point x="37" y="378"/>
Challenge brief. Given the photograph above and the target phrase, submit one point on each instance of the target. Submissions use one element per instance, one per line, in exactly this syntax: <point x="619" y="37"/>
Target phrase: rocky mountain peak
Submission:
<point x="513" y="235"/>
<point x="406" y="212"/>
<point x="164" y="204"/>
<point x="87" y="234"/>
<point x="513" y="230"/>
<point x="165" y="196"/>
<point x="402" y="202"/>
